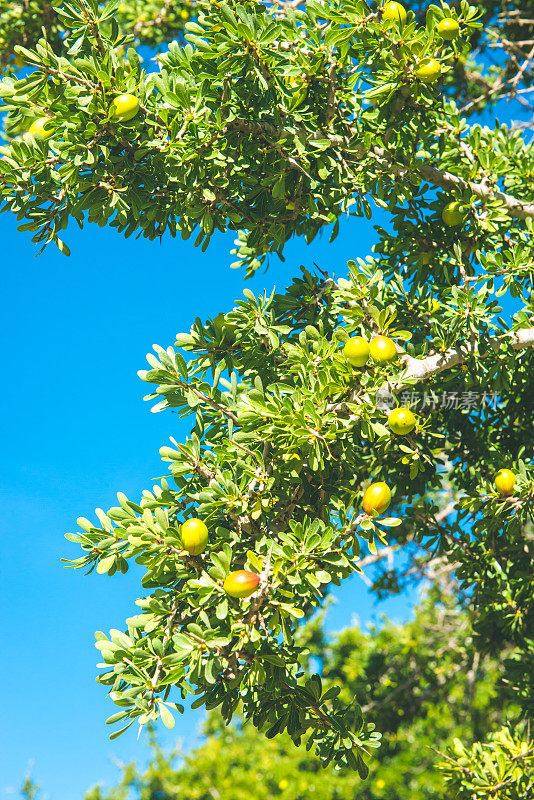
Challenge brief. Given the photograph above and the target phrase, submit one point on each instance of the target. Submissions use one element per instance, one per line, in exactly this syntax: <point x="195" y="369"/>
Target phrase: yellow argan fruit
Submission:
<point x="425" y="257"/>
<point x="124" y="107"/>
<point x="376" y="498"/>
<point x="505" y="481"/>
<point x="454" y="213"/>
<point x="194" y="536"/>
<point x="293" y="461"/>
<point x="448" y="29"/>
<point x="382" y="349"/>
<point x="428" y="70"/>
<point x="41" y="128"/>
<point x="356" y="351"/>
<point x="241" y="583"/>
<point x="394" y="12"/>
<point x="401" y="421"/>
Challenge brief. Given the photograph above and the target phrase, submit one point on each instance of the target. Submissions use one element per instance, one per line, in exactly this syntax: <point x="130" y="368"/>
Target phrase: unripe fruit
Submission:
<point x="376" y="498"/>
<point x="356" y="351"/>
<point x="428" y="70"/>
<point x="401" y="421"/>
<point x="241" y="583"/>
<point x="382" y="349"/>
<point x="448" y="29"/>
<point x="124" y="107"/>
<point x="394" y="12"/>
<point x="505" y="482"/>
<point x="454" y="214"/>
<point x="40" y="128"/>
<point x="19" y="60"/>
<point x="194" y="536"/>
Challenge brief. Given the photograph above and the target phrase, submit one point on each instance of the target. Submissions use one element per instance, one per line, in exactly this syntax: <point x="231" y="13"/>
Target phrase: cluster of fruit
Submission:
<point x="123" y="108"/>
<point x="401" y="420"/>
<point x="377" y="496"/>
<point x="241" y="583"/>
<point x="429" y="69"/>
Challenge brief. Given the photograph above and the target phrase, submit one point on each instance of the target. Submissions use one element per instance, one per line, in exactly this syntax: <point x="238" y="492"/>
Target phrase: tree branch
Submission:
<point x="423" y="368"/>
<point x="446" y="180"/>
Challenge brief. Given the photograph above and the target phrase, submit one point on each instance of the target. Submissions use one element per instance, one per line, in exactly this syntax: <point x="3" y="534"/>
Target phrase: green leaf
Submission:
<point x="166" y="716"/>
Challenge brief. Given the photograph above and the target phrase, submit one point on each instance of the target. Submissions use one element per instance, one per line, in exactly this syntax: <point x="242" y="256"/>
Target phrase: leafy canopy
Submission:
<point x="276" y="120"/>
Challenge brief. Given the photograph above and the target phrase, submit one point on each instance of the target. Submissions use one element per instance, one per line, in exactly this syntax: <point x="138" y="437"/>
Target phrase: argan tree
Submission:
<point x="422" y="679"/>
<point x="312" y="410"/>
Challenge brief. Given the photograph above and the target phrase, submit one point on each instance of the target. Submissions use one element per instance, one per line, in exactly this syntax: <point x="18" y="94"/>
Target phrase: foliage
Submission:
<point x="271" y="124"/>
<point x="29" y="790"/>
<point x="425" y="696"/>
<point x="502" y="768"/>
<point x="276" y="120"/>
<point x="270" y="466"/>
<point x="148" y="22"/>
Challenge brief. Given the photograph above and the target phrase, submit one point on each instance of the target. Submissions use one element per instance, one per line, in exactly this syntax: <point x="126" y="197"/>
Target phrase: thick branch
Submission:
<point x="485" y="191"/>
<point x="423" y="368"/>
<point x="446" y="180"/>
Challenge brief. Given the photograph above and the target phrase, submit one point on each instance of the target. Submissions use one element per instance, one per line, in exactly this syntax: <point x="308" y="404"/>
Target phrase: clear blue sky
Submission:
<point x="75" y="431"/>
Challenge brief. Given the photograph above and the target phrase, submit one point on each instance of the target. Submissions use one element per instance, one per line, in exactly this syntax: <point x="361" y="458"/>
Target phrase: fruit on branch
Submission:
<point x="394" y="12"/>
<point x="505" y="481"/>
<point x="194" y="536"/>
<point x="401" y="421"/>
<point x="454" y="213"/>
<point x="428" y="70"/>
<point x="40" y="128"/>
<point x="226" y="329"/>
<point x="124" y="107"/>
<point x="19" y="61"/>
<point x="241" y="583"/>
<point x="382" y="349"/>
<point x="448" y="29"/>
<point x="376" y="498"/>
<point x="357" y="351"/>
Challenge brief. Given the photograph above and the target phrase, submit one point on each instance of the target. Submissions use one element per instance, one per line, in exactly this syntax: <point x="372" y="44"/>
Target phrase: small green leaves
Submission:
<point x="166" y="715"/>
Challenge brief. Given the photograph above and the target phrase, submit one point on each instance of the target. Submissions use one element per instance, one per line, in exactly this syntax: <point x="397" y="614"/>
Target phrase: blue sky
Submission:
<point x="75" y="431"/>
